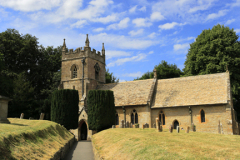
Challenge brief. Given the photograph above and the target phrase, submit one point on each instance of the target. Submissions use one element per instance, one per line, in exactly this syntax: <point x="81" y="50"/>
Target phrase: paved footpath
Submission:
<point x="81" y="150"/>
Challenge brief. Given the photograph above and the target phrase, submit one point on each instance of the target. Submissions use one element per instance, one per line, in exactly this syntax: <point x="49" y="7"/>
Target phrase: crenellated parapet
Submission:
<point x="83" y="52"/>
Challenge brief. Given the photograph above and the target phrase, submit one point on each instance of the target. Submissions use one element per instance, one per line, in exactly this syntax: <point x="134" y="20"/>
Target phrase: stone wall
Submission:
<point x="142" y="111"/>
<point x="213" y="113"/>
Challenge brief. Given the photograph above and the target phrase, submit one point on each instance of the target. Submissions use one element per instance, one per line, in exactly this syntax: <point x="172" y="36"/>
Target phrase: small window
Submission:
<point x="202" y="116"/>
<point x="162" y="118"/>
<point x="74" y="72"/>
<point x="117" y="119"/>
<point x="136" y="118"/>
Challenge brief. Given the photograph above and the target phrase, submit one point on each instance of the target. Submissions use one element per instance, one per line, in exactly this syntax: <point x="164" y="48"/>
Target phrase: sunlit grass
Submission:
<point x="31" y="139"/>
<point x="135" y="143"/>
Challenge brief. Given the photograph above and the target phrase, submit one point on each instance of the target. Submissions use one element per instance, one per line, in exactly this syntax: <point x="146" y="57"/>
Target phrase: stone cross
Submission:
<point x="178" y="129"/>
<point x="187" y="130"/>
<point x="41" y="116"/>
<point x="22" y="116"/>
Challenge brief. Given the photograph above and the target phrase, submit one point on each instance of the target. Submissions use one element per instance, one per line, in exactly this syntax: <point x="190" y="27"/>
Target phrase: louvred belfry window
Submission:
<point x="74" y="72"/>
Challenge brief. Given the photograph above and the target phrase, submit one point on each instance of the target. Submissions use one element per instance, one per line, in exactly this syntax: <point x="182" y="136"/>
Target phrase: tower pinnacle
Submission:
<point x="64" y="46"/>
<point x="87" y="42"/>
<point x="103" y="49"/>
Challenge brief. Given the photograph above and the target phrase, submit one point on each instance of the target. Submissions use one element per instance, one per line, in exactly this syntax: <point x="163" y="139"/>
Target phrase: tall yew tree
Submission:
<point x="211" y="52"/>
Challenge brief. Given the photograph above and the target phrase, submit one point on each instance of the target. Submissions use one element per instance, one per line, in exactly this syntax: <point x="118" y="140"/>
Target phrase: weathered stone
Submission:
<point x="113" y="126"/>
<point x="170" y="128"/>
<point x="4" y="109"/>
<point x="154" y="125"/>
<point x="22" y="116"/>
<point x="122" y="124"/>
<point x="178" y="129"/>
<point x="131" y="126"/>
<point x="160" y="128"/>
<point x="187" y="130"/>
<point x="31" y="118"/>
<point x="127" y="125"/>
<point x="41" y="116"/>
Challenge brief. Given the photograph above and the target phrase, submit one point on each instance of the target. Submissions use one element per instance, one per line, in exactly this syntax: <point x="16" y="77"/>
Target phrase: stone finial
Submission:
<point x="226" y="68"/>
<point x="87" y="42"/>
<point x="155" y="73"/>
<point x="64" y="45"/>
<point x="103" y="49"/>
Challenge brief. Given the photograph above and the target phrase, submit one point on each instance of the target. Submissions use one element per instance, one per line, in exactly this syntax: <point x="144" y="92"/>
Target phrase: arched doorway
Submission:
<point x="83" y="130"/>
<point x="175" y="124"/>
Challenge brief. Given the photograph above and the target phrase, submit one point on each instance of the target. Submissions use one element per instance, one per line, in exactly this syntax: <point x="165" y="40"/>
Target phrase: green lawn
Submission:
<point x="135" y="143"/>
<point x="31" y="139"/>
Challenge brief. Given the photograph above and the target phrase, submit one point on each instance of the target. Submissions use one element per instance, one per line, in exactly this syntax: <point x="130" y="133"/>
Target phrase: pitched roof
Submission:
<point x="129" y="93"/>
<point x="193" y="90"/>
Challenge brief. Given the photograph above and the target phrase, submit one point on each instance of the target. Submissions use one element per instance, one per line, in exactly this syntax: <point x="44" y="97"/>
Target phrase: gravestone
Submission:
<point x="157" y="124"/>
<point x="160" y="128"/>
<point x="4" y="109"/>
<point x="113" y="126"/>
<point x="187" y="130"/>
<point x="178" y="129"/>
<point x="170" y="128"/>
<point x="131" y="126"/>
<point x="22" y="116"/>
<point x="154" y="125"/>
<point x="41" y="116"/>
<point x="127" y="126"/>
<point x="31" y="118"/>
<point x="146" y="125"/>
<point x="122" y="124"/>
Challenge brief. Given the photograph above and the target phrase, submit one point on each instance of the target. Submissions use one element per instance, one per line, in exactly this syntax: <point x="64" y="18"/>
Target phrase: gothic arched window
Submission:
<point x="74" y="72"/>
<point x="97" y="69"/>
<point x="162" y="118"/>
<point x="132" y="118"/>
<point x="202" y="116"/>
<point x="117" y="119"/>
<point x="136" y="118"/>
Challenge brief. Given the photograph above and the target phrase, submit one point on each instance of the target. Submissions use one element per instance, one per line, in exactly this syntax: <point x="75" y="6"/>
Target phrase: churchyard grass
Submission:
<point x="136" y="143"/>
<point x="31" y="139"/>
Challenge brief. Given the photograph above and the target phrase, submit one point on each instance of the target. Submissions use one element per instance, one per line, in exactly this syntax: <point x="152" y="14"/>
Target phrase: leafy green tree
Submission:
<point x="213" y="50"/>
<point x="164" y="71"/>
<point x="110" y="78"/>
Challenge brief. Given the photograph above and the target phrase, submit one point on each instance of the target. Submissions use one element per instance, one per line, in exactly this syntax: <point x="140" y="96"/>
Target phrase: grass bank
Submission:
<point x="31" y="139"/>
<point x="135" y="143"/>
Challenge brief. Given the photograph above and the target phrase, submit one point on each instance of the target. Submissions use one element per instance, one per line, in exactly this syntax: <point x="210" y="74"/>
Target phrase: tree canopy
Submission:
<point x="110" y="78"/>
<point x="164" y="70"/>
<point x="213" y="50"/>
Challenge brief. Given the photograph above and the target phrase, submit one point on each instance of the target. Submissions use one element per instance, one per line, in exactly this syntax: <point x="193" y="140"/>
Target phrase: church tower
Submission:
<point x="82" y="69"/>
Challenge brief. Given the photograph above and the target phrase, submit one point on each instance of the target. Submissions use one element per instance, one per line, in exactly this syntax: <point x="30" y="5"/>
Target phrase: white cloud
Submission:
<point x="136" y="74"/>
<point x="151" y="52"/>
<point x="107" y="19"/>
<point x="113" y="53"/>
<point x="217" y="15"/>
<point x="133" y="9"/>
<point x="229" y="21"/>
<point x="122" y="80"/>
<point x="79" y="24"/>
<point x="121" y="25"/>
<point x="181" y="46"/>
<point x="141" y="22"/>
<point x="31" y="5"/>
<point x="156" y="16"/>
<point x="121" y="61"/>
<point x="152" y="35"/>
<point x="135" y="33"/>
<point x="234" y="4"/>
<point x="98" y="29"/>
<point x="170" y="25"/>
<point x="143" y="9"/>
<point x="237" y="30"/>
<point x="185" y="39"/>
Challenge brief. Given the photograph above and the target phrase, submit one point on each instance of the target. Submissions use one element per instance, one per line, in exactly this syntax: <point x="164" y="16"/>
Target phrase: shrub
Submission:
<point x="136" y="125"/>
<point x="101" y="109"/>
<point x="64" y="108"/>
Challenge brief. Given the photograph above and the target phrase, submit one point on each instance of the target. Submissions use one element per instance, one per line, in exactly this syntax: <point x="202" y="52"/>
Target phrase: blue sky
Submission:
<point x="138" y="34"/>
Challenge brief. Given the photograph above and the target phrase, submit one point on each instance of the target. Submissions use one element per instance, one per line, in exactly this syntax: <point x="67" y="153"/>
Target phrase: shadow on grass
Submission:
<point x="18" y="124"/>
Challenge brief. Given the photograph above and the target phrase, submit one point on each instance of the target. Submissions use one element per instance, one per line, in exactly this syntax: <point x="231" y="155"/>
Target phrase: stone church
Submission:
<point x="203" y="100"/>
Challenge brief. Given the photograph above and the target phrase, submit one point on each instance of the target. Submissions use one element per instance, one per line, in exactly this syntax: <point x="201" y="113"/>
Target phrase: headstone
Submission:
<point x="154" y="125"/>
<point x="22" y="116"/>
<point x="127" y="126"/>
<point x="31" y="118"/>
<point x="187" y="130"/>
<point x="177" y="129"/>
<point x="146" y="125"/>
<point x="160" y="128"/>
<point x="131" y="126"/>
<point x="122" y="124"/>
<point x="157" y="124"/>
<point x="170" y="128"/>
<point x="113" y="126"/>
<point x="42" y="116"/>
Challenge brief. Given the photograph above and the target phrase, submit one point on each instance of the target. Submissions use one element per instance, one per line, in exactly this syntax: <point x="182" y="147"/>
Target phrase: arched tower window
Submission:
<point x="117" y="119"/>
<point x="97" y="69"/>
<point x="74" y="72"/>
<point x="202" y="116"/>
<point x="162" y="118"/>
